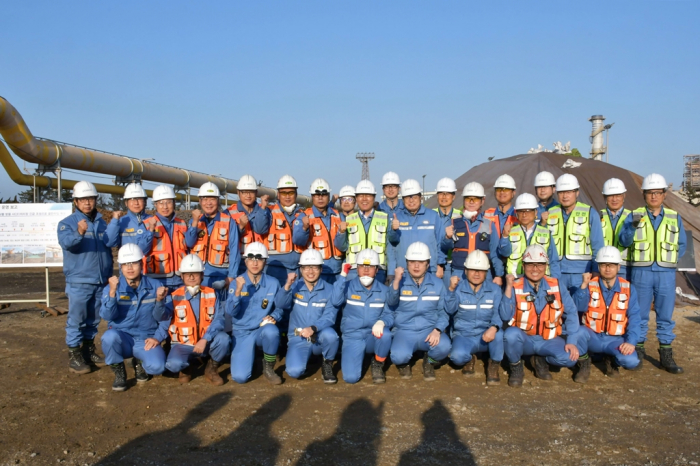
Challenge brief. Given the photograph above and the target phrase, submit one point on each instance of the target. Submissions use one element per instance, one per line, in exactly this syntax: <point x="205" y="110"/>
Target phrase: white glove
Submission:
<point x="378" y="329"/>
<point x="219" y="284"/>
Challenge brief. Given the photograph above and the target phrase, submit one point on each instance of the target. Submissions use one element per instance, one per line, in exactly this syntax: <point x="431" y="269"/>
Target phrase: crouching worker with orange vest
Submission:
<point x="538" y="313"/>
<point x="611" y="318"/>
<point x="196" y="325"/>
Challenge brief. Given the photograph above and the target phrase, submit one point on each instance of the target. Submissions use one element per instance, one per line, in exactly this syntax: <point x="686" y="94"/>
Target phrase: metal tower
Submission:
<point x="364" y="158"/>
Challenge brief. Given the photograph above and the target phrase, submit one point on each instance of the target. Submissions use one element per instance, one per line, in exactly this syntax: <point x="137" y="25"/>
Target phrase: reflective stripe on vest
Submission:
<point x="213" y="249"/>
<point x="660" y="246"/>
<point x="279" y="239"/>
<point x="548" y="322"/>
<point x="518" y="242"/>
<point x="612" y="238"/>
<point x="166" y="253"/>
<point x="492" y="215"/>
<point x="573" y="239"/>
<point x="183" y="326"/>
<point x="375" y="239"/>
<point x="603" y="319"/>
<point x="320" y="238"/>
<point x="248" y="236"/>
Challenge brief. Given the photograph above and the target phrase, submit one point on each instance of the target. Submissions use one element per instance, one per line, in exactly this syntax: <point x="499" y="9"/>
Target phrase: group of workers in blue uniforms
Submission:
<point x="388" y="280"/>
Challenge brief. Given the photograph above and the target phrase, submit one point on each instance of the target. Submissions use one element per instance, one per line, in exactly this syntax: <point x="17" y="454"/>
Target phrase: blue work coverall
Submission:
<point x="497" y="247"/>
<point x="280" y="265"/>
<point x="175" y="281"/>
<point x="554" y="264"/>
<point x="130" y="229"/>
<point x="259" y="220"/>
<point x="390" y="252"/>
<point x="544" y="208"/>
<point x="424" y="226"/>
<point x="332" y="266"/>
<point x="614" y="220"/>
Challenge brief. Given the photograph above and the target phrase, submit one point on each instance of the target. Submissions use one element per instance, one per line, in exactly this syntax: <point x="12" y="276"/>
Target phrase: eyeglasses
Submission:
<point x="503" y="190"/>
<point x="472" y="199"/>
<point x="412" y="196"/>
<point x="320" y="193"/>
<point x="254" y="257"/>
<point x="525" y="211"/>
<point x="85" y="200"/>
<point x="607" y="266"/>
<point x="654" y="193"/>
<point x="347" y="199"/>
<point x="131" y="265"/>
<point x="366" y="267"/>
<point x="535" y="265"/>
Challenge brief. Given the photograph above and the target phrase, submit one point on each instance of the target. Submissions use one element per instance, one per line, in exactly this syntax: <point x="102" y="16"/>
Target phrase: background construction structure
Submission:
<point x="364" y="158"/>
<point x="691" y="172"/>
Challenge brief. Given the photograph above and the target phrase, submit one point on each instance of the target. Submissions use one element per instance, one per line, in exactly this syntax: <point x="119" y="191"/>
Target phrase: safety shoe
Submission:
<point x="76" y="361"/>
<point x="611" y="369"/>
<point x="269" y="372"/>
<point x="327" y="372"/>
<point x="492" y="377"/>
<point x="517" y="375"/>
<point x="90" y="353"/>
<point x="185" y="375"/>
<point x="141" y="374"/>
<point x="584" y="369"/>
<point x="119" y="370"/>
<point x="428" y="369"/>
<point x="468" y="368"/>
<point x="667" y="362"/>
<point x="641" y="353"/>
<point x="541" y="367"/>
<point x="378" y="375"/>
<point x="405" y="371"/>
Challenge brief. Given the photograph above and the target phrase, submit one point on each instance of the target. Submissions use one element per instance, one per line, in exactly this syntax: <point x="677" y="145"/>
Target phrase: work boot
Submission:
<point x="584" y="369"/>
<point x="641" y="353"/>
<point x="667" y="362"/>
<point x="76" y="362"/>
<point x="492" y="377"/>
<point x="211" y="373"/>
<point x="428" y="369"/>
<point x="517" y="374"/>
<point x="378" y="375"/>
<point x="269" y="370"/>
<point x="468" y="368"/>
<point x="405" y="371"/>
<point x="119" y="370"/>
<point x="185" y="375"/>
<point x="90" y="353"/>
<point x="541" y="367"/>
<point x="141" y="374"/>
<point x="327" y="371"/>
<point x="611" y="369"/>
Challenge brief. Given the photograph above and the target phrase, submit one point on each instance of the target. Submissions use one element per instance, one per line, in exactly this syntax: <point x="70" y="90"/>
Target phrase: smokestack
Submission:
<point x="596" y="138"/>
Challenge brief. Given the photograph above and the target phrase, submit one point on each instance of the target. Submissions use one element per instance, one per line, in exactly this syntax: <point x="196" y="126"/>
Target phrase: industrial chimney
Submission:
<point x="596" y="138"/>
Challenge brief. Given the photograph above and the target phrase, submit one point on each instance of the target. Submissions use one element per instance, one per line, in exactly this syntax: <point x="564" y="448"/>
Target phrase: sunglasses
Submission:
<point x="472" y="199"/>
<point x="347" y="199"/>
<point x="254" y="257"/>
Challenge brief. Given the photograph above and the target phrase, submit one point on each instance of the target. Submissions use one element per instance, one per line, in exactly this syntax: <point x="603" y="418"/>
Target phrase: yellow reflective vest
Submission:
<point x="573" y="239"/>
<point x="518" y="243"/>
<point x="374" y="239"/>
<point x="612" y="238"/>
<point x="660" y="246"/>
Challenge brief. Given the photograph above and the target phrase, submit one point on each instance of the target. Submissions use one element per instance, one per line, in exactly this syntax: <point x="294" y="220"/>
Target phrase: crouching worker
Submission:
<point x="251" y="306"/>
<point x="420" y="318"/>
<point x="311" y="319"/>
<point x="366" y="319"/>
<point x="611" y="319"/>
<point x="196" y="325"/>
<point x="133" y="306"/>
<point x="534" y="306"/>
<point x="474" y="303"/>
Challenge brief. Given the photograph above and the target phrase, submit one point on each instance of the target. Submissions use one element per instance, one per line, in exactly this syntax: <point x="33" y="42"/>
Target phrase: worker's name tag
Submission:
<point x="125" y="297"/>
<point x="460" y="234"/>
<point x="265" y="302"/>
<point x="403" y="224"/>
<point x="299" y="296"/>
<point x="244" y="293"/>
<point x="407" y="292"/>
<point x="129" y="230"/>
<point x="354" y="296"/>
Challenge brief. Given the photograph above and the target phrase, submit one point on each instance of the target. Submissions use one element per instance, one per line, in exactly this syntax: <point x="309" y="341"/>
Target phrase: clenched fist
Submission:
<point x="343" y="227"/>
<point x="454" y="281"/>
<point x="450" y="231"/>
<point x="264" y="201"/>
<point x="240" y="283"/>
<point x="543" y="217"/>
<point x="510" y="279"/>
<point x="113" y="283"/>
<point x="116" y="214"/>
<point x="506" y="229"/>
<point x="586" y="280"/>
<point x="243" y="220"/>
<point x="440" y="271"/>
<point x="196" y="215"/>
<point x="291" y="278"/>
<point x="305" y="222"/>
<point x="82" y="227"/>
<point x="395" y="223"/>
<point x="161" y="293"/>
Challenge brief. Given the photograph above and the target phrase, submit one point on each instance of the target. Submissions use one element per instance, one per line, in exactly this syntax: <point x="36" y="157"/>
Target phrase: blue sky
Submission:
<point x="433" y="88"/>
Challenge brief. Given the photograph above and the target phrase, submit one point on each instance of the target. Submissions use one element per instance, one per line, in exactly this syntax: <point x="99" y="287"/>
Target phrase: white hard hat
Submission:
<point x="446" y="185"/>
<point x="567" y="182"/>
<point x="191" y="263"/>
<point x="418" y="252"/>
<point x="287" y="182"/>
<point x="608" y="255"/>
<point x="247" y="183"/>
<point x="346" y="191"/>
<point x="477" y="260"/>
<point x="390" y="178"/>
<point x="544" y="179"/>
<point x="525" y="201"/>
<point x="129" y="253"/>
<point x="319" y="186"/>
<point x="654" y="181"/>
<point x="84" y="189"/>
<point x="613" y="186"/>
<point x="254" y="249"/>
<point x="163" y="192"/>
<point x="504" y="181"/>
<point x="535" y="254"/>
<point x="410" y="187"/>
<point x="134" y="191"/>
<point x="365" y="187"/>
<point x="209" y="189"/>
<point x="473" y="189"/>
<point x="311" y="257"/>
<point x="367" y="257"/>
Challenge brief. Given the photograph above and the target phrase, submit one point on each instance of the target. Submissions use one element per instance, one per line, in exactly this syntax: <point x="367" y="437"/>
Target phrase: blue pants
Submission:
<point x="180" y="355"/>
<point x="119" y="345"/>
<point x="608" y="344"/>
<point x="243" y="345"/>
<point x="571" y="281"/>
<point x="354" y="350"/>
<point x="464" y="346"/>
<point x="380" y="277"/>
<point x="84" y="301"/>
<point x="661" y="287"/>
<point x="407" y="342"/>
<point x="519" y="344"/>
<point x="299" y="350"/>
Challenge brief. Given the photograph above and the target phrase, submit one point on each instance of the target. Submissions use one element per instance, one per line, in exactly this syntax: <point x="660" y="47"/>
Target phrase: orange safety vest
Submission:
<point x="493" y="216"/>
<point x="213" y="249"/>
<point x="248" y="236"/>
<point x="183" y="326"/>
<point x="610" y="319"/>
<point x="279" y="239"/>
<point x="548" y="322"/>
<point x="319" y="236"/>
<point x="166" y="253"/>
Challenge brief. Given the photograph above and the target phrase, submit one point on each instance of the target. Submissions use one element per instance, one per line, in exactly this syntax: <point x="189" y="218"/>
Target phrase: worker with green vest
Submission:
<point x="367" y="228"/>
<point x="528" y="232"/>
<point x="613" y="217"/>
<point x="657" y="240"/>
<point x="576" y="231"/>
<point x="446" y="192"/>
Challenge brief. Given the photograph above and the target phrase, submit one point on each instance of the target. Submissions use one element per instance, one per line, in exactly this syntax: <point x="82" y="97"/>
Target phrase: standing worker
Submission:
<point x="446" y="191"/>
<point x="503" y="216"/>
<point x="391" y="185"/>
<point x="613" y="217"/>
<point x="87" y="265"/>
<point x="657" y="240"/>
<point x="131" y="228"/>
<point x="346" y="201"/>
<point x="284" y="253"/>
<point x="545" y="187"/>
<point x="253" y="220"/>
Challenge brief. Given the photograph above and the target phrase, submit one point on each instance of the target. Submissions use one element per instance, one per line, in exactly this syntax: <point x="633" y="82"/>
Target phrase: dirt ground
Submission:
<point x="49" y="416"/>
